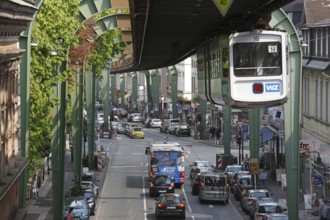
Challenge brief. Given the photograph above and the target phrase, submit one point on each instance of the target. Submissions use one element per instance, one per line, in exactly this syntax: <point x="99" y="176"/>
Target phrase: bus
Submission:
<point x="166" y="158"/>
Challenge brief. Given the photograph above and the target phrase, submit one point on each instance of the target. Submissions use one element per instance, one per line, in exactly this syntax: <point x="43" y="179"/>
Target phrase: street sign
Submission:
<point x="223" y="6"/>
<point x="245" y="128"/>
<point x="240" y="124"/>
<point x="254" y="166"/>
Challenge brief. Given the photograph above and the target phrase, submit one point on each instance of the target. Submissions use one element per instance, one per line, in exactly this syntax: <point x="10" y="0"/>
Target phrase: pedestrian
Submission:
<point x="263" y="178"/>
<point x="70" y="214"/>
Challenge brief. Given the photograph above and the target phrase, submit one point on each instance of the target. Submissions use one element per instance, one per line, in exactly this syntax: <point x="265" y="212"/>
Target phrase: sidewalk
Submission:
<point x="275" y="189"/>
<point x="41" y="208"/>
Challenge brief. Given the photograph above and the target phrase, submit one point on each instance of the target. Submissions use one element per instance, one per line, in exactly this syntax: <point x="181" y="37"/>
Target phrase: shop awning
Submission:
<point x="317" y="65"/>
<point x="265" y="135"/>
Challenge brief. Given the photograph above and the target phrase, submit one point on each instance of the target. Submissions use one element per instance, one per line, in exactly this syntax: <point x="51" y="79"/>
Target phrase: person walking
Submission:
<point x="263" y="178"/>
<point x="70" y="214"/>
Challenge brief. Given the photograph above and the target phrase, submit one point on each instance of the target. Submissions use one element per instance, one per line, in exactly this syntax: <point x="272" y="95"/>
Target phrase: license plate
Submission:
<point x="170" y="207"/>
<point x="162" y="191"/>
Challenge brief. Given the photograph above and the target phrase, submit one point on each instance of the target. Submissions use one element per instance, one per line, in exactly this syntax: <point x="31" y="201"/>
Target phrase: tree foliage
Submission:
<point x="53" y="29"/>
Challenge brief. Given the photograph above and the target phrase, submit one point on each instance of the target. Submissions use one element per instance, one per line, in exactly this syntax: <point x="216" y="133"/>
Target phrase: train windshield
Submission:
<point x="257" y="59"/>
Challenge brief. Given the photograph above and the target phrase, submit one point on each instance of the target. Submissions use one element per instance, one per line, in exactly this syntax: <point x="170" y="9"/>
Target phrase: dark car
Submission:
<point x="80" y="208"/>
<point x="182" y="130"/>
<point x="161" y="184"/>
<point x="170" y="204"/>
<point x="88" y="193"/>
<point x="196" y="184"/>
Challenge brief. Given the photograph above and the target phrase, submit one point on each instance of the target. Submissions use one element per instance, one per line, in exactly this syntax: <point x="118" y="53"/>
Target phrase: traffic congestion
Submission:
<point x="165" y="175"/>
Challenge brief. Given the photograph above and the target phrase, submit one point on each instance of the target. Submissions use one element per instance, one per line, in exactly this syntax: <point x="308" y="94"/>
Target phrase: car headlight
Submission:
<point x="91" y="204"/>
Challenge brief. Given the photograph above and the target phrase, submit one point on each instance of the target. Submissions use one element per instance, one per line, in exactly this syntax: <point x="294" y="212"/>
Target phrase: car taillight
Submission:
<point x="180" y="206"/>
<point x="250" y="200"/>
<point x="161" y="205"/>
<point x="182" y="174"/>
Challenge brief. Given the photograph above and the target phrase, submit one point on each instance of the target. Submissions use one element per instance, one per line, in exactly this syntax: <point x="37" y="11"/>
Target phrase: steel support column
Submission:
<point x="106" y="99"/>
<point x="25" y="44"/>
<point x="155" y="85"/>
<point x="77" y="123"/>
<point x="122" y="91"/>
<point x="134" y="91"/>
<point x="226" y="129"/>
<point x="90" y="103"/>
<point x="174" y="84"/>
<point x="291" y="111"/>
<point x="254" y="123"/>
<point x="58" y="143"/>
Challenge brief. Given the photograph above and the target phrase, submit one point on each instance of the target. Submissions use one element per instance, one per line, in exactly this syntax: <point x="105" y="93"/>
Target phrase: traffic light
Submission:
<point x="239" y="139"/>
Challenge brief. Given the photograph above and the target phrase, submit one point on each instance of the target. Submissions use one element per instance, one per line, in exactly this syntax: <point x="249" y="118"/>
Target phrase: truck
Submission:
<point x="166" y="158"/>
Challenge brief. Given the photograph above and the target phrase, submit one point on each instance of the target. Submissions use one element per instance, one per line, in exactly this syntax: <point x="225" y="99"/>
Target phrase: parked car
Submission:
<point x="243" y="183"/>
<point x="91" y="185"/>
<point x="235" y="179"/>
<point x="199" y="166"/>
<point x="196" y="184"/>
<point x="182" y="130"/>
<point x="134" y="117"/>
<point x="128" y="127"/>
<point x="276" y="216"/>
<point x="265" y="208"/>
<point x="89" y="176"/>
<point x="155" y="123"/>
<point x="78" y="191"/>
<point x="325" y="210"/>
<point x="230" y="172"/>
<point x="171" y="128"/>
<point x="137" y="132"/>
<point x="250" y="195"/>
<point x="213" y="187"/>
<point x="120" y="129"/>
<point x="80" y="208"/>
<point x="161" y="184"/>
<point x="170" y="204"/>
<point x="121" y="112"/>
<point x="255" y="203"/>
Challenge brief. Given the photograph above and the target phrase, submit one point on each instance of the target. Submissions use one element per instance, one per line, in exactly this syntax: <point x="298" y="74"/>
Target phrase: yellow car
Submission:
<point x="137" y="132"/>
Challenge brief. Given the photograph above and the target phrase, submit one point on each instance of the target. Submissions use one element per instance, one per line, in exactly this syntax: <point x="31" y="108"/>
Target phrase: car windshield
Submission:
<point x="78" y="204"/>
<point x="203" y="164"/>
<point x="245" y="181"/>
<point x="234" y="169"/>
<point x="88" y="194"/>
<point x="156" y="120"/>
<point x="137" y="129"/>
<point x="215" y="181"/>
<point x="87" y="178"/>
<point x="163" y="181"/>
<point x="269" y="209"/>
<point x="260" y="195"/>
<point x="171" y="200"/>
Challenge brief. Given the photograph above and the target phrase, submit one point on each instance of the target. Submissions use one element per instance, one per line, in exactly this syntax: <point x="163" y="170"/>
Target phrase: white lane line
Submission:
<point x="234" y="208"/>
<point x="185" y="196"/>
<point x="144" y="199"/>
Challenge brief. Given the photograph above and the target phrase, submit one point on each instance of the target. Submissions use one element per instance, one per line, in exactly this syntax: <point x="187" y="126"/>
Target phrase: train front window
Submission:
<point x="257" y="59"/>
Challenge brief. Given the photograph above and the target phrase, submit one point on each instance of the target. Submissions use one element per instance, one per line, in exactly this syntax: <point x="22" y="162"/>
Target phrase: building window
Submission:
<point x="316" y="98"/>
<point x="312" y="43"/>
<point x="324" y="43"/>
<point x="306" y="95"/>
<point x="321" y="100"/>
<point x="327" y="101"/>
<point x="318" y="42"/>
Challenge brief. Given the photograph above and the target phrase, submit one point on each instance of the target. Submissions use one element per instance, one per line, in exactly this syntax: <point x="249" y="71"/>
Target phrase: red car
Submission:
<point x="121" y="112"/>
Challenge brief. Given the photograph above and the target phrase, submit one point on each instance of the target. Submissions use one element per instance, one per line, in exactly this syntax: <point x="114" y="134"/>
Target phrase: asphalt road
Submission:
<point x="124" y="193"/>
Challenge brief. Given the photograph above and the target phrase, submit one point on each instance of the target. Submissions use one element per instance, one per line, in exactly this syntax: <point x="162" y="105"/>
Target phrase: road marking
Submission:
<point x="211" y="206"/>
<point x="185" y="196"/>
<point x="144" y="199"/>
